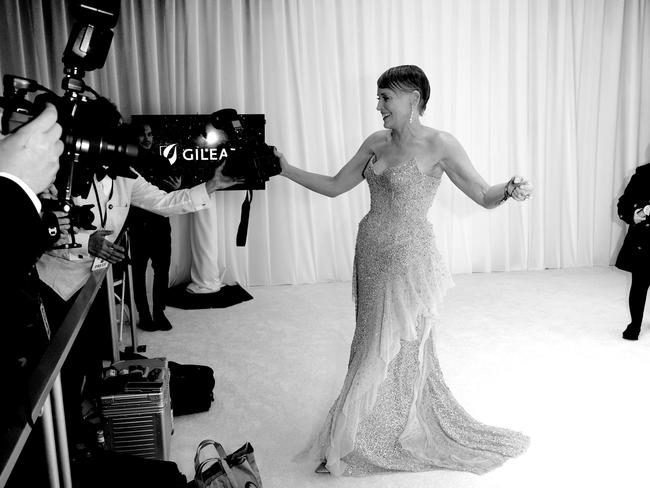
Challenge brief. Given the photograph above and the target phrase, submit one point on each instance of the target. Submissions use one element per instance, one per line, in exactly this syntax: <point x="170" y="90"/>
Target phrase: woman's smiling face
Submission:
<point x="394" y="107"/>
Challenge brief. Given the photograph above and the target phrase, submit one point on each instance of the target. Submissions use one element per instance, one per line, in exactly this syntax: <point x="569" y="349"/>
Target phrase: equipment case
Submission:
<point x="136" y="409"/>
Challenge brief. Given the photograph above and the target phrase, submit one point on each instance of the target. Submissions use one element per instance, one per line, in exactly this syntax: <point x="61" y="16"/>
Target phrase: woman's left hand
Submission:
<point x="519" y="188"/>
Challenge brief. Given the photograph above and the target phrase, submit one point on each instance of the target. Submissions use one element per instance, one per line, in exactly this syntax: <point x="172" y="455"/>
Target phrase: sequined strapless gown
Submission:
<point x="394" y="411"/>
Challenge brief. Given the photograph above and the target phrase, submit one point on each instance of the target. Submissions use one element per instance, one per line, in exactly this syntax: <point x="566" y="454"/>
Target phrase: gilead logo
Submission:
<point x="170" y="153"/>
<point x="193" y="154"/>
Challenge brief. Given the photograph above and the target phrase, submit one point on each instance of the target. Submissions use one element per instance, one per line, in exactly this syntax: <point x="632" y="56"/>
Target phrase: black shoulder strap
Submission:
<point x="242" y="230"/>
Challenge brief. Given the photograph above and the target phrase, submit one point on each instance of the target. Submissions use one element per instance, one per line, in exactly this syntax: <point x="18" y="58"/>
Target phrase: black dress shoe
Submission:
<point x="631" y="333"/>
<point x="322" y="468"/>
<point x="146" y="323"/>
<point x="161" y="321"/>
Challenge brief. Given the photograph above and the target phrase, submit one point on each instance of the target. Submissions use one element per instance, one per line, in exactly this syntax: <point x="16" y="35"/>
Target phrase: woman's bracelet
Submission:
<point x="506" y="193"/>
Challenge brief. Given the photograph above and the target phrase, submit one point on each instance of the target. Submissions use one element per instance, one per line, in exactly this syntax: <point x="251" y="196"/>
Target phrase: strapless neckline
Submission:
<point x="395" y="167"/>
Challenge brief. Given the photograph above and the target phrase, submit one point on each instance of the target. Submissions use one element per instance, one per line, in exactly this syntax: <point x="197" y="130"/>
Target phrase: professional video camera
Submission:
<point x="249" y="158"/>
<point x="88" y="141"/>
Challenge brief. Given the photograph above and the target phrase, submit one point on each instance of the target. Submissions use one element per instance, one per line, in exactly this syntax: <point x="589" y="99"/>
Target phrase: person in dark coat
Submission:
<point x="634" y="256"/>
<point x="29" y="161"/>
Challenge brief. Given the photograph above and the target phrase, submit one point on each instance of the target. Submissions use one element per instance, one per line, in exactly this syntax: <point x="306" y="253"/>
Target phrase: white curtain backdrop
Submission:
<point x="556" y="90"/>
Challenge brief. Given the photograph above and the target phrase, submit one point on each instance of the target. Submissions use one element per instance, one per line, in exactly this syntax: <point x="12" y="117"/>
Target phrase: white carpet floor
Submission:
<point x="539" y="352"/>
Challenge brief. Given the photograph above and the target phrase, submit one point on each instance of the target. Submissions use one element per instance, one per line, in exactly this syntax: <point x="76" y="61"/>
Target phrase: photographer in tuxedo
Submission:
<point x="29" y="160"/>
<point x="634" y="256"/>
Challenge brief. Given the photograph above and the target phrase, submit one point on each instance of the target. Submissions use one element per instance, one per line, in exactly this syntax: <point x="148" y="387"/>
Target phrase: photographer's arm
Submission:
<point x="150" y="197"/>
<point x="332" y="186"/>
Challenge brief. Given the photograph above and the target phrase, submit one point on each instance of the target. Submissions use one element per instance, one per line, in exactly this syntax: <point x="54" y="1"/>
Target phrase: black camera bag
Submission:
<point x="108" y="469"/>
<point x="190" y="387"/>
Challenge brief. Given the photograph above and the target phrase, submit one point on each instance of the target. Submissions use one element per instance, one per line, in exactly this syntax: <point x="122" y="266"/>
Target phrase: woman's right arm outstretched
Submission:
<point x="347" y="178"/>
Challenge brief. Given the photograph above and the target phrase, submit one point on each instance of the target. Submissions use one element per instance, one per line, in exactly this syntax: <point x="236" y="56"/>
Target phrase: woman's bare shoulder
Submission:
<point x="375" y="141"/>
<point x="378" y="137"/>
<point x="439" y="138"/>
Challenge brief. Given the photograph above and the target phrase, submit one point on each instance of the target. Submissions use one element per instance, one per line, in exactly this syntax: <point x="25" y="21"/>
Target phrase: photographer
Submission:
<point x="29" y="160"/>
<point x="63" y="272"/>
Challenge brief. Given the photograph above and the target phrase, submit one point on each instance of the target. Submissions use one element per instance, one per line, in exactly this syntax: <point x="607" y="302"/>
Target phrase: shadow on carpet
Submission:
<point x="227" y="296"/>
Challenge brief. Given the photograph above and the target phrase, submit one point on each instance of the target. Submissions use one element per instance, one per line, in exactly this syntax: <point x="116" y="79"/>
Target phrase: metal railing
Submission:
<point x="44" y="396"/>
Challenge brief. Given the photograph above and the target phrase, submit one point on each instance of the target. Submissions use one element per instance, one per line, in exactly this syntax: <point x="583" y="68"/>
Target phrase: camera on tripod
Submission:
<point x="87" y="144"/>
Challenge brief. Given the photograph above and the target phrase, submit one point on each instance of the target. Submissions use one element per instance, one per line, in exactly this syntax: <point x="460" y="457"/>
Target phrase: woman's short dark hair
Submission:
<point x="407" y="77"/>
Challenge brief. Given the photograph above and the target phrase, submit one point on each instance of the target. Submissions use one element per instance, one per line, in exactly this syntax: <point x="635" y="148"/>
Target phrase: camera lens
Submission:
<point x="101" y="146"/>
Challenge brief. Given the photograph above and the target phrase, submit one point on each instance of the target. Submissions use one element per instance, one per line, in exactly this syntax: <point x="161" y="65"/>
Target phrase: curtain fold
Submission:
<point x="556" y="90"/>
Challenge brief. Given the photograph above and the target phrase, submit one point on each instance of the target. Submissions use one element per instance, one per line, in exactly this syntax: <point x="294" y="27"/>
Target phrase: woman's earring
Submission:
<point x="411" y="117"/>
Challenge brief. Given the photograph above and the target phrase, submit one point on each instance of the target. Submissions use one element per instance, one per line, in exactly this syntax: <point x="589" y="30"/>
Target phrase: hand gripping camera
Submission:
<point x="249" y="158"/>
<point x="88" y="142"/>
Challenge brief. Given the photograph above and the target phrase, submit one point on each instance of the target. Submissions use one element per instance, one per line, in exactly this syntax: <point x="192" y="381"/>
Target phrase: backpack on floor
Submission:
<point x="190" y="387"/>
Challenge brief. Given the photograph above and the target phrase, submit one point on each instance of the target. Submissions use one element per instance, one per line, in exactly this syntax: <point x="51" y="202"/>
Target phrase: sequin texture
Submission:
<point x="395" y="412"/>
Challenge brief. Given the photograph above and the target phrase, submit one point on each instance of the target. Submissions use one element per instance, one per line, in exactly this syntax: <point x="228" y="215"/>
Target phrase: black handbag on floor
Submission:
<point x="190" y="387"/>
<point x="108" y="469"/>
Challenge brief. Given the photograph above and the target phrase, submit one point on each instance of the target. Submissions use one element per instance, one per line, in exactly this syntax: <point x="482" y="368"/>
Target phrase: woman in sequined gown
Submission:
<point x="394" y="412"/>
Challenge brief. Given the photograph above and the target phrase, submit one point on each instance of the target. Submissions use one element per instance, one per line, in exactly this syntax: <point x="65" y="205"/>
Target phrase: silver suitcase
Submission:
<point x="138" y="419"/>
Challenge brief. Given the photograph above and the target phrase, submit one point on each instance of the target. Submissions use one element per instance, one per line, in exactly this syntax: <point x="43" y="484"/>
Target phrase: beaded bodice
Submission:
<point x="400" y="193"/>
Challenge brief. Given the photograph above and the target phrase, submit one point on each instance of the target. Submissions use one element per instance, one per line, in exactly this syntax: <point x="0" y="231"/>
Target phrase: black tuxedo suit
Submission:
<point x="634" y="255"/>
<point x="24" y="236"/>
<point x="22" y="335"/>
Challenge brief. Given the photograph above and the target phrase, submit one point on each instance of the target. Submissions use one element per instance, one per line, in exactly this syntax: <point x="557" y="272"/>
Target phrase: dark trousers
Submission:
<point x="637" y="298"/>
<point x="151" y="241"/>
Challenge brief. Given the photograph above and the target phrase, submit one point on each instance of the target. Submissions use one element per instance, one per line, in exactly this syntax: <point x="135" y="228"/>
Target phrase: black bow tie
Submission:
<point x="101" y="172"/>
<point x="114" y="171"/>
